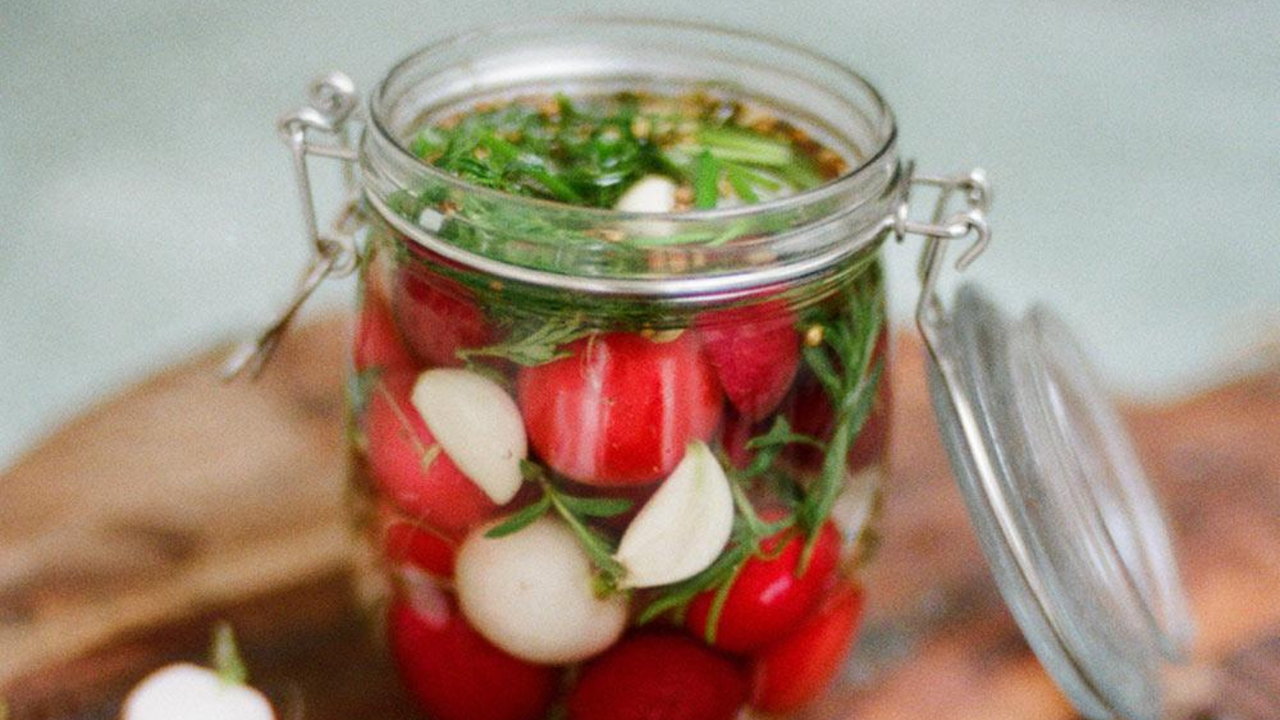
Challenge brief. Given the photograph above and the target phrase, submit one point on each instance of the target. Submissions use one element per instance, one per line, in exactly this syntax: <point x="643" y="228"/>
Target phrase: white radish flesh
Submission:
<point x="188" y="692"/>
<point x="532" y="594"/>
<point x="477" y="425"/>
<point x="683" y="527"/>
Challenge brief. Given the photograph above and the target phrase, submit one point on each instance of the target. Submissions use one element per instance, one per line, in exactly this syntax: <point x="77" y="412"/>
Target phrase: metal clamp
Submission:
<point x="331" y="102"/>
<point x="939" y="231"/>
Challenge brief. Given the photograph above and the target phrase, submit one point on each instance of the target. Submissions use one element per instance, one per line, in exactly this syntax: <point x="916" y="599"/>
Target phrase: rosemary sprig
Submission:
<point x="588" y="153"/>
<point x="738" y="144"/>
<point x="536" y="348"/>
<point x="521" y="520"/>
<point x="678" y="596"/>
<point x="706" y="181"/>
<point x="741" y="185"/>
<point x="851" y="382"/>
<point x="575" y="512"/>
<point x="756" y="179"/>
<point x="771" y="444"/>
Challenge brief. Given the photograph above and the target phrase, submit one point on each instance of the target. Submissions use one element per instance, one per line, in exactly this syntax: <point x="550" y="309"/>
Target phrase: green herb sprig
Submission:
<point x="576" y="512"/>
<point x="589" y="152"/>
<point x="749" y="533"/>
<point x="538" y="347"/>
<point x="851" y="382"/>
<point x="225" y="654"/>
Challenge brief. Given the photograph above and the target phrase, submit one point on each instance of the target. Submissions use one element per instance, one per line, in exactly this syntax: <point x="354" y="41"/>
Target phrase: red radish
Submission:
<point x="659" y="676"/>
<point x="437" y="317"/>
<point x="377" y="341"/>
<point x="734" y="436"/>
<point x="455" y="674"/>
<point x="794" y="671"/>
<point x="768" y="598"/>
<point x="755" y="351"/>
<point x="410" y="467"/>
<point x="621" y="409"/>
<point x="810" y="413"/>
<point x="404" y="541"/>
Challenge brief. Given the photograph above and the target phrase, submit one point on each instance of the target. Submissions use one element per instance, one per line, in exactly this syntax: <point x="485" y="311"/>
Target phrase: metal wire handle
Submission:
<point x="331" y="102"/>
<point x="970" y="221"/>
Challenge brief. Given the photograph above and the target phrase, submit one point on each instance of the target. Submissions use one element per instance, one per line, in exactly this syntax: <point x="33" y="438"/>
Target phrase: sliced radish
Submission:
<point x="737" y="432"/>
<point x="532" y="594"/>
<point x="404" y="541"/>
<point x="425" y="593"/>
<point x="683" y="527"/>
<point x="810" y="412"/>
<point x="193" y="693"/>
<point x="477" y="425"/>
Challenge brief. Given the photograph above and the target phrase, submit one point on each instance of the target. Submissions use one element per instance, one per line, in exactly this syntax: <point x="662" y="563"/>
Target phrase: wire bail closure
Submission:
<point x="331" y="103"/>
<point x="970" y="221"/>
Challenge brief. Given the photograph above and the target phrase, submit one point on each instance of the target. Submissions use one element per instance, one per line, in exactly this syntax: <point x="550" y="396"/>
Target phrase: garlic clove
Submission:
<point x="532" y="594"/>
<point x="188" y="692"/>
<point x="649" y="194"/>
<point x="683" y="527"/>
<point x="477" y="425"/>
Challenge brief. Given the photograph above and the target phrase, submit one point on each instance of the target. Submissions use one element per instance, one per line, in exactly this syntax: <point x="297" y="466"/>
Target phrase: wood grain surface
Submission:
<point x="128" y="533"/>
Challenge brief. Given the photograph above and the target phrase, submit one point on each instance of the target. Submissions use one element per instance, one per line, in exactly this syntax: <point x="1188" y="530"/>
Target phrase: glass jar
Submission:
<point x="624" y="465"/>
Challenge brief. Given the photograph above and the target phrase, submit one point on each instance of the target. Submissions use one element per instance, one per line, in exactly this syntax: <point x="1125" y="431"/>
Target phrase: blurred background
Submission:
<point x="148" y="211"/>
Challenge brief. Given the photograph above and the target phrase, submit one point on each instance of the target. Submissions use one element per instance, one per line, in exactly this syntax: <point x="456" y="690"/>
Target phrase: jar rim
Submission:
<point x="607" y="251"/>
<point x="822" y="191"/>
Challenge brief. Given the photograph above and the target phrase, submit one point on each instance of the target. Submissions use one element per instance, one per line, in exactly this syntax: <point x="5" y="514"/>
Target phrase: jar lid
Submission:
<point x="1065" y="516"/>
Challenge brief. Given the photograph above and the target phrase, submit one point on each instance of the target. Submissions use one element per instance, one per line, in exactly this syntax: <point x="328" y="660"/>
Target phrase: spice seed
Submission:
<point x="813" y="335"/>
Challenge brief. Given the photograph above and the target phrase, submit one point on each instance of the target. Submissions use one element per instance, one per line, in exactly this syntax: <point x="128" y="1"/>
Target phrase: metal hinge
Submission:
<point x="331" y="103"/>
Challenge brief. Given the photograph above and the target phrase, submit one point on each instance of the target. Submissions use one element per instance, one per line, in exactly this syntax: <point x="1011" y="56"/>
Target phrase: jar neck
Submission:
<point x="690" y="254"/>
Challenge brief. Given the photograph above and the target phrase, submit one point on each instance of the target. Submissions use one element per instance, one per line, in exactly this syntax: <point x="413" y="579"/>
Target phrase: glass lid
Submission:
<point x="1064" y="513"/>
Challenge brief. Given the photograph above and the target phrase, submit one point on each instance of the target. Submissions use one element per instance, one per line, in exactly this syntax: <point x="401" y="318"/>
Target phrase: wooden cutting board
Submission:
<point x="183" y="501"/>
